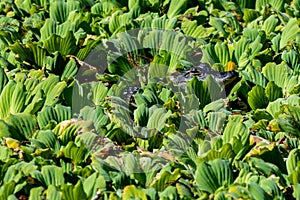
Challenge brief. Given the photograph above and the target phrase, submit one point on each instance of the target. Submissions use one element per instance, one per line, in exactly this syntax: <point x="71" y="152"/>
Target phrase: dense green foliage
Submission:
<point x="66" y="139"/>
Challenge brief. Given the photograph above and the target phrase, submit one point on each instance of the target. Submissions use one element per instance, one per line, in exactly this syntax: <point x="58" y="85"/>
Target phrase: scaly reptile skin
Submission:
<point x="181" y="78"/>
<point x="202" y="71"/>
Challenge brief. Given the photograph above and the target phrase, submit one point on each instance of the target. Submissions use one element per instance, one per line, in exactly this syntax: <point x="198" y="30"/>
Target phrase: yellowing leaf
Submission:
<point x="12" y="144"/>
<point x="230" y="66"/>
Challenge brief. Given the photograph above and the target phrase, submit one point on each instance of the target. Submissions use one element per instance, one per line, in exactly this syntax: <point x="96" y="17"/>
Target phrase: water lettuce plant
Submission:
<point x="67" y="131"/>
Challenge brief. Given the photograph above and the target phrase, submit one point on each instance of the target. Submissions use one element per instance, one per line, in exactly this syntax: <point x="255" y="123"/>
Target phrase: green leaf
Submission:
<point x="6" y="99"/>
<point x="218" y="24"/>
<point x="5" y="153"/>
<point x="141" y="115"/>
<point x="216" y="106"/>
<point x="22" y="124"/>
<point x="296" y="192"/>
<point x="256" y="192"/>
<point x="36" y="103"/>
<point x="157" y="70"/>
<point x="119" y="64"/>
<point x="93" y="183"/>
<point x="36" y="193"/>
<point x="191" y="28"/>
<point x="184" y="191"/>
<point x="270" y="154"/>
<point x="176" y="7"/>
<point x="105" y="8"/>
<point x="289" y="33"/>
<point x="96" y="115"/>
<point x="3" y="79"/>
<point x="214" y="174"/>
<point x="83" y="96"/>
<point x="272" y="91"/>
<point x="48" y="139"/>
<point x="165" y="178"/>
<point x="255" y="47"/>
<point x="271" y="187"/>
<point x="165" y="94"/>
<point x="45" y="116"/>
<point x="157" y="118"/>
<point x="270" y="24"/>
<point x="18" y="98"/>
<point x="48" y="29"/>
<point x="294" y="112"/>
<point x="207" y="91"/>
<point x="292" y="59"/>
<point x="6" y="130"/>
<point x="99" y="93"/>
<point x="250" y="15"/>
<point x="279" y="74"/>
<point x="7" y="189"/>
<point x="70" y="70"/>
<point x="293" y="160"/>
<point x="32" y="53"/>
<point x="287" y="127"/>
<point x="53" y="95"/>
<point x="216" y="121"/>
<point x="77" y="154"/>
<point x="66" y="45"/>
<point x="60" y="10"/>
<point x="236" y="128"/>
<point x="239" y="48"/>
<point x="257" y="98"/>
<point x="255" y="76"/>
<point x="23" y="52"/>
<point x="78" y="192"/>
<point x="276" y="43"/>
<point x="226" y="152"/>
<point x="131" y="192"/>
<point x="53" y="193"/>
<point x="277" y="4"/>
<point x="38" y="52"/>
<point x="222" y="52"/>
<point x="52" y="175"/>
<point x="169" y="193"/>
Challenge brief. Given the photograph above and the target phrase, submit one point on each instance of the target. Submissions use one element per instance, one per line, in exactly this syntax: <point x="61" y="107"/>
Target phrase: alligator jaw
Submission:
<point x="201" y="72"/>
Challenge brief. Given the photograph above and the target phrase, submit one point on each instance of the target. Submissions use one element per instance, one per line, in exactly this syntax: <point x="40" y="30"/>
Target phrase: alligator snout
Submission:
<point x="201" y="72"/>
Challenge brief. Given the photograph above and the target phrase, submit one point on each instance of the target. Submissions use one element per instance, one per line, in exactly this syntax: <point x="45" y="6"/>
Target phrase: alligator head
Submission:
<point x="201" y="72"/>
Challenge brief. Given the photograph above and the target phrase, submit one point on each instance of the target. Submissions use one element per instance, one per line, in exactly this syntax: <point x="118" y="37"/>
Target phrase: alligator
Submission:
<point x="202" y="71"/>
<point x="179" y="78"/>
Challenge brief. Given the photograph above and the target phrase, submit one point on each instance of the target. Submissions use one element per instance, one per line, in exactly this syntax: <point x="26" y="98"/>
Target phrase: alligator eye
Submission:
<point x="229" y="77"/>
<point x="223" y="74"/>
